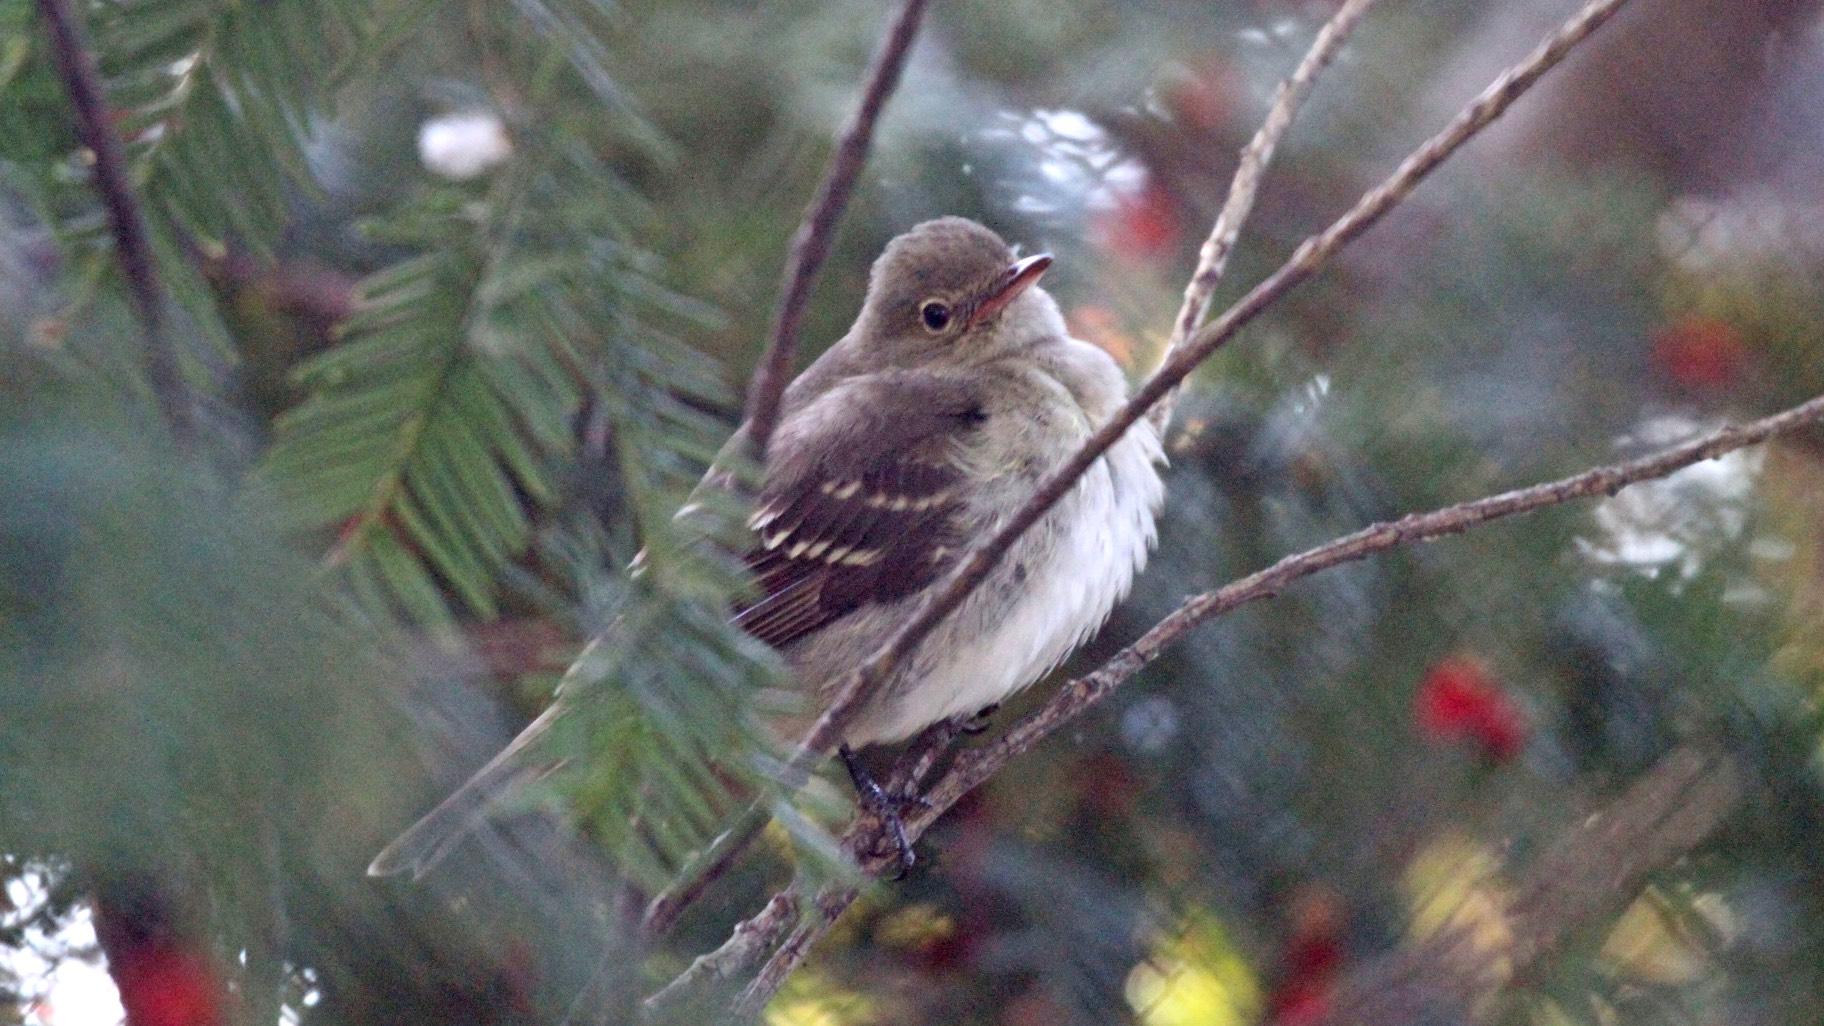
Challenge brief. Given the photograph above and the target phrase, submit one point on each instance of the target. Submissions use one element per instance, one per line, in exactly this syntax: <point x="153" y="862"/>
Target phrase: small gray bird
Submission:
<point x="923" y="430"/>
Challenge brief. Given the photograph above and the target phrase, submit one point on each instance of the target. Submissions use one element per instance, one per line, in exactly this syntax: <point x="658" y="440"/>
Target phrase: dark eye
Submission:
<point x="936" y="315"/>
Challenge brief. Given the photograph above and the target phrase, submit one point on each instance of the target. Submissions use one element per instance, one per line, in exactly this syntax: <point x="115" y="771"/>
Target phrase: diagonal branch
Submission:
<point x="1593" y="870"/>
<point x="811" y="242"/>
<point x="77" y="67"/>
<point x="974" y="767"/>
<point x="1305" y="262"/>
<point x="810" y="246"/>
<point x="1213" y="257"/>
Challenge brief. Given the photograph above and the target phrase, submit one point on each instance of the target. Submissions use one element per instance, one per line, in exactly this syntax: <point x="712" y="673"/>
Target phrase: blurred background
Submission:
<point x="469" y="292"/>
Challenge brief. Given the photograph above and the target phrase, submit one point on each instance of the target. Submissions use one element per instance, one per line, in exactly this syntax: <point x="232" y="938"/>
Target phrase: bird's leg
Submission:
<point x="884" y="805"/>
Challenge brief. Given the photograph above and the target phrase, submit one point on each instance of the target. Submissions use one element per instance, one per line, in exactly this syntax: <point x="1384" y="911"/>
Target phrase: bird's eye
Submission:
<point x="936" y="315"/>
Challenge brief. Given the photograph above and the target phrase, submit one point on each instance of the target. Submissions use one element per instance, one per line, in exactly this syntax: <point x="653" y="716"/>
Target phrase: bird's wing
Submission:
<point x="860" y="502"/>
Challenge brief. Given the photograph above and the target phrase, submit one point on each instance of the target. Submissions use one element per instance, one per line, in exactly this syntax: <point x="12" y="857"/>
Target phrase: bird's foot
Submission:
<point x="886" y="806"/>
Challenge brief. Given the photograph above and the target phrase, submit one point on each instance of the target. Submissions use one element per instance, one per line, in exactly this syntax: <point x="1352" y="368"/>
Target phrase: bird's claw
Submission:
<point x="886" y="806"/>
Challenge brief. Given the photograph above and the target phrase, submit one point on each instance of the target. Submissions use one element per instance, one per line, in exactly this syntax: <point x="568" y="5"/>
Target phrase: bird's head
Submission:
<point x="951" y="289"/>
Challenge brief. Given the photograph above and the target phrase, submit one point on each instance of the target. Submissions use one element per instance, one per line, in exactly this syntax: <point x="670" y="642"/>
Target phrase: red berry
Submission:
<point x="164" y="984"/>
<point x="1459" y="699"/>
<point x="1700" y="352"/>
<point x="1142" y="225"/>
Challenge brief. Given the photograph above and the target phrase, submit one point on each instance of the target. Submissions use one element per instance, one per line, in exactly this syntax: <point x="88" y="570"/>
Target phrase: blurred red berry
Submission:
<point x="1459" y="699"/>
<point x="1300" y="1004"/>
<point x="1141" y="225"/>
<point x="1204" y="99"/>
<point x="1700" y="352"/>
<point x="1311" y="959"/>
<point x="165" y="984"/>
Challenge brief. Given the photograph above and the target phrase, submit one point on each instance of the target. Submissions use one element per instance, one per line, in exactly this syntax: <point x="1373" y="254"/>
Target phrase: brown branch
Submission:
<point x="746" y="944"/>
<point x="830" y="906"/>
<point x="706" y="868"/>
<point x="1213" y="257"/>
<point x="966" y="774"/>
<point x="1593" y="870"/>
<point x="1305" y="262"/>
<point x="76" y="66"/>
<point x="810" y="246"/>
<point x="811" y="242"/>
<point x="974" y="767"/>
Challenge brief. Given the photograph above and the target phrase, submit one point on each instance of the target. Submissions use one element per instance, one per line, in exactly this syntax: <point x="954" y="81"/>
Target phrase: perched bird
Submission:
<point x="920" y="433"/>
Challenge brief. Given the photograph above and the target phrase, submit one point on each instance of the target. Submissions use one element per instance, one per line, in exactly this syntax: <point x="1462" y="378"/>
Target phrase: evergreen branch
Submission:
<point x="1309" y="258"/>
<point x="1592" y="871"/>
<point x="81" y="76"/>
<point x="975" y="767"/>
<point x="811" y="242"/>
<point x="1213" y="257"/>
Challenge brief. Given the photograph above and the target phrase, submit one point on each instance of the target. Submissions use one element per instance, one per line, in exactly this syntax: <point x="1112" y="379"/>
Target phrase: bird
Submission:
<point x="921" y="432"/>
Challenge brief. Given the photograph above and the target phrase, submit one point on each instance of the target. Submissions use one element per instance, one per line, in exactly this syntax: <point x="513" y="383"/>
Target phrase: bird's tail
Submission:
<point x="427" y="841"/>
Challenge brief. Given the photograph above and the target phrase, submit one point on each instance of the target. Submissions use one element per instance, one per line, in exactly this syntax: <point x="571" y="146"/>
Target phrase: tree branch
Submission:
<point x="974" y="767"/>
<point x="811" y="242"/>
<point x="132" y="246"/>
<point x="1213" y="257"/>
<point x="1590" y="873"/>
<point x="1305" y="262"/>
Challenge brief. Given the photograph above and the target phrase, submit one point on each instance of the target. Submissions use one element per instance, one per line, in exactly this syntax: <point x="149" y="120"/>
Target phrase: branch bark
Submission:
<point x="1310" y="257"/>
<point x="1593" y="870"/>
<point x="810" y="247"/>
<point x="1213" y="257"/>
<point x="1179" y="362"/>
<point x="974" y="767"/>
<point x="811" y="242"/>
<point x="77" y="67"/>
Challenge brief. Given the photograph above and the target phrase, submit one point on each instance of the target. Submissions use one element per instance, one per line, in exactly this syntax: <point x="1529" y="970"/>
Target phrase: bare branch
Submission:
<point x="706" y="868"/>
<point x="974" y="767"/>
<point x="811" y="242"/>
<point x="1213" y="258"/>
<point x="830" y="905"/>
<point x="1594" y="869"/>
<point x="132" y="246"/>
<point x="1305" y="262"/>
<point x="810" y="246"/>
<point x="967" y="773"/>
<point x="747" y="944"/>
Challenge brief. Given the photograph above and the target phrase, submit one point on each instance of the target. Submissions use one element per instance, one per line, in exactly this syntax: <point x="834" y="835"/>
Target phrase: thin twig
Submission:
<point x="1213" y="257"/>
<point x="1591" y="872"/>
<point x="811" y="242"/>
<point x="77" y="67"/>
<point x="810" y="246"/>
<point x="746" y="944"/>
<point x="665" y="909"/>
<point x="974" y="767"/>
<point x="830" y="905"/>
<point x="1305" y="262"/>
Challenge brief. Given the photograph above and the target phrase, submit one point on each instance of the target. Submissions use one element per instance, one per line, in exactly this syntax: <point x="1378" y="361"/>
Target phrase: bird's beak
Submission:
<point x="1022" y="275"/>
